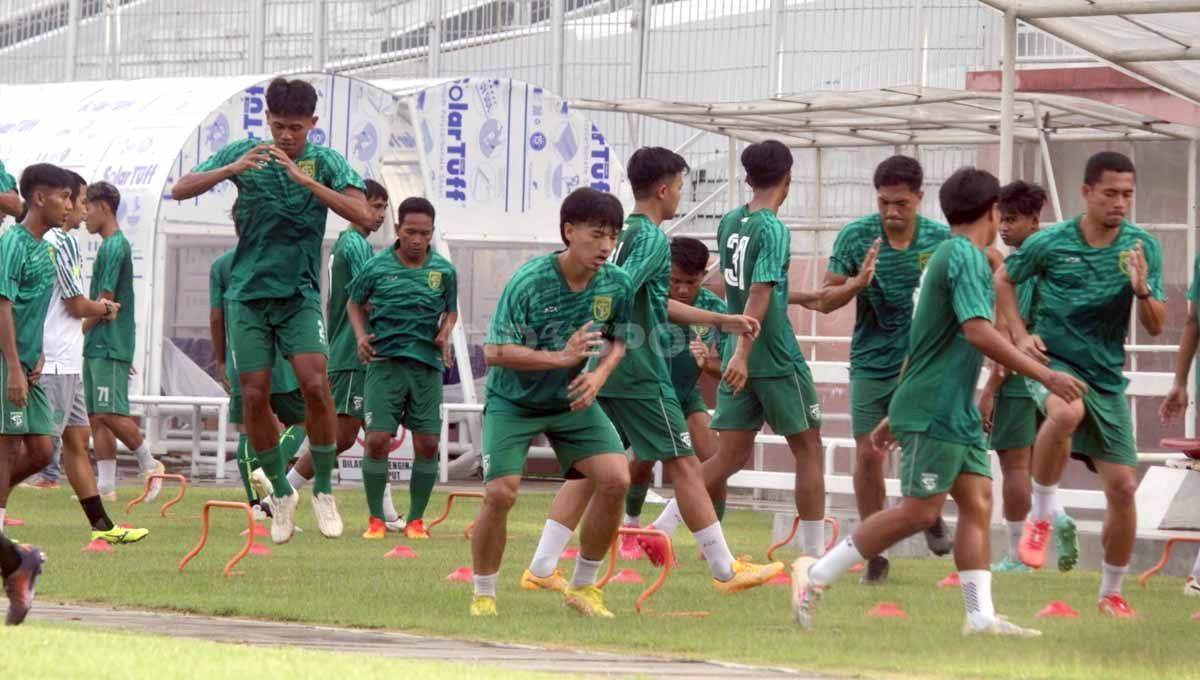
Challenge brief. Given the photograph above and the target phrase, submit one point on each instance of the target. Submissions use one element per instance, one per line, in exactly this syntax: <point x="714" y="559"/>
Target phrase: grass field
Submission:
<point x="36" y="651"/>
<point x="347" y="582"/>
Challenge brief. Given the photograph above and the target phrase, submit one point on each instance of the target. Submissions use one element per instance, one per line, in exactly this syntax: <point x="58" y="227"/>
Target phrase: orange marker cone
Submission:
<point x="260" y="550"/>
<point x="402" y="552"/>
<point x="569" y="554"/>
<point x="259" y="530"/>
<point x="858" y="568"/>
<point x="1057" y="610"/>
<point x="780" y="579"/>
<point x="628" y="576"/>
<point x="98" y="545"/>
<point x="13" y="522"/>
<point x="887" y="610"/>
<point x="951" y="581"/>
<point x="461" y="575"/>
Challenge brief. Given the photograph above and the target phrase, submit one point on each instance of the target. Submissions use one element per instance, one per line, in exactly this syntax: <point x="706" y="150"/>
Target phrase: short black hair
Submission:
<point x="414" y="205"/>
<point x="689" y="254"/>
<point x="589" y="206"/>
<point x="1022" y="198"/>
<point x="650" y="165"/>
<point x="77" y="182"/>
<point x="375" y="190"/>
<point x="968" y="194"/>
<point x="291" y="97"/>
<point x="766" y="163"/>
<point x="42" y="176"/>
<point x="899" y="169"/>
<point x="1106" y="161"/>
<point x="105" y="193"/>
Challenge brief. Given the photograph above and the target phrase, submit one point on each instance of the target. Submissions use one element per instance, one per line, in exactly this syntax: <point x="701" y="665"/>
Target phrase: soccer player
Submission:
<point x="20" y="567"/>
<point x="1175" y="405"/>
<point x="62" y="372"/>
<point x="26" y="286"/>
<point x="10" y="201"/>
<point x="1009" y="413"/>
<point x="347" y="373"/>
<point x="877" y="262"/>
<point x="285" y="192"/>
<point x="108" y="346"/>
<point x="552" y="317"/>
<point x="413" y="297"/>
<point x="695" y="348"/>
<point x="639" y="399"/>
<point x="933" y="414"/>
<point x="1088" y="269"/>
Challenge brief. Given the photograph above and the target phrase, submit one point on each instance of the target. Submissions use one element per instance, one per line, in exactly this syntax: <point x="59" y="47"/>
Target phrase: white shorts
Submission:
<point x="67" y="405"/>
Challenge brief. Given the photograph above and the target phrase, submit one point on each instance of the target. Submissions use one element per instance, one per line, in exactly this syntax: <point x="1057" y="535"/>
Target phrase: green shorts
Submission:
<point x="289" y="407"/>
<point x="34" y="418"/>
<point x="106" y="386"/>
<point x="508" y="431"/>
<point x="403" y="392"/>
<point x="256" y="327"/>
<point x="869" y="401"/>
<point x="929" y="466"/>
<point x="787" y="403"/>
<point x="692" y="402"/>
<point x="1106" y="432"/>
<point x="348" y="388"/>
<point x="654" y="428"/>
<point x="1015" y="422"/>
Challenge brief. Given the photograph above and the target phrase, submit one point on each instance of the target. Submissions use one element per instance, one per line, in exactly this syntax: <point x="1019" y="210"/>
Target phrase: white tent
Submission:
<point x="494" y="156"/>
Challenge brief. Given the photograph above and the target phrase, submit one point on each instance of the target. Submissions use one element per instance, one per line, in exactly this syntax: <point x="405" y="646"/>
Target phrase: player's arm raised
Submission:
<point x="836" y="290"/>
<point x="583" y="344"/>
<point x="1152" y="310"/>
<point x="195" y="183"/>
<point x="350" y="204"/>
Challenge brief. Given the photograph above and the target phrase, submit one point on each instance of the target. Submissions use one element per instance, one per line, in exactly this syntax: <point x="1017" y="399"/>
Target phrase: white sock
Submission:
<point x="632" y="521"/>
<point x="389" y="510"/>
<point x="1014" y="539"/>
<point x="585" y="572"/>
<point x="485" y="586"/>
<point x="670" y="519"/>
<point x="1111" y="581"/>
<point x="977" y="597"/>
<point x="1045" y="502"/>
<point x="146" y="461"/>
<point x="1196" y="568"/>
<point x="296" y="479"/>
<point x="712" y="543"/>
<point x="835" y="563"/>
<point x="303" y="449"/>
<point x="812" y="537"/>
<point x="107" y="476"/>
<point x="554" y="539"/>
<point x="2" y="512"/>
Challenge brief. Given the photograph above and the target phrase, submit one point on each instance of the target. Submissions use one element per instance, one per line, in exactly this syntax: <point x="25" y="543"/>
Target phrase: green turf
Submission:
<point x="348" y="582"/>
<point x="36" y="651"/>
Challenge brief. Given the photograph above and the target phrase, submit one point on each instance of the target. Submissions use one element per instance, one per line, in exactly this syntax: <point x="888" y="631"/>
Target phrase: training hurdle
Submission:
<point x="208" y="506"/>
<point x="446" y="513"/>
<point x="146" y="492"/>
<point x="662" y="577"/>
<point x="836" y="530"/>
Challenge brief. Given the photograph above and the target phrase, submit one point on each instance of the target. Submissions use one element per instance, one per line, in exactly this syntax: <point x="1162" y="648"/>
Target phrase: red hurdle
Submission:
<point x="449" y="504"/>
<point x="833" y="537"/>
<point x="662" y="577"/>
<point x="146" y="492"/>
<point x="209" y="505"/>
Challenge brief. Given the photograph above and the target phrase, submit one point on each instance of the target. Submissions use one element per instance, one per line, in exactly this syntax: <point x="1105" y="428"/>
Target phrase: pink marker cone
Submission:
<point x="461" y="575"/>
<point x="887" y="610"/>
<point x="1057" y="610"/>
<point x="259" y="530"/>
<point x="260" y="549"/>
<point x="402" y="552"/>
<point x="628" y="576"/>
<point x="951" y="581"/>
<point x="99" y="545"/>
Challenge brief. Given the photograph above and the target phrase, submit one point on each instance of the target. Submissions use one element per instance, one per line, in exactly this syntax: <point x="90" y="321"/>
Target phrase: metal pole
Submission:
<point x="775" y="45"/>
<point x="733" y="183"/>
<point x="108" y="39"/>
<point x="73" y="12"/>
<point x="642" y="18"/>
<point x="1008" y="85"/>
<point x="319" y="27"/>
<point x="1189" y="426"/>
<point x="919" y="36"/>
<point x="435" y="39"/>
<point x="1047" y="164"/>
<point x="557" y="35"/>
<point x="256" y="50"/>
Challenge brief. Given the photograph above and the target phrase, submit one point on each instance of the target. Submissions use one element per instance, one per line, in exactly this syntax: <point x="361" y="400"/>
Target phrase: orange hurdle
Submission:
<point x="146" y="492"/>
<point x="1166" y="556"/>
<point x="209" y="505"/>
<point x="833" y="524"/>
<point x="449" y="504"/>
<point x="662" y="577"/>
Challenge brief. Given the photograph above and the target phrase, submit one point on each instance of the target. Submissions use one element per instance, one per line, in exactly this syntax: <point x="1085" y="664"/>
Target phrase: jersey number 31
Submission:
<point x="735" y="274"/>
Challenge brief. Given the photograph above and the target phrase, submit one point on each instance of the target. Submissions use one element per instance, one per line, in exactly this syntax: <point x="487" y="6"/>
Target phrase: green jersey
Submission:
<point x="757" y="248"/>
<point x="539" y="310"/>
<point x="936" y="395"/>
<point x="7" y="183"/>
<point x="283" y="376"/>
<point x="407" y="304"/>
<point x="1015" y="385"/>
<point x="350" y="256"/>
<point x="282" y="223"/>
<point x="1084" y="296"/>
<point x="684" y="369"/>
<point x="27" y="274"/>
<point x="112" y="272"/>
<point x="884" y="309"/>
<point x="644" y="253"/>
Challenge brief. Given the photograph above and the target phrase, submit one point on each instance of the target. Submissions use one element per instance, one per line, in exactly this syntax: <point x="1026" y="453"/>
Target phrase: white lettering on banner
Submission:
<point x="456" y="154"/>
<point x="599" y="162"/>
<point x="253" y="107"/>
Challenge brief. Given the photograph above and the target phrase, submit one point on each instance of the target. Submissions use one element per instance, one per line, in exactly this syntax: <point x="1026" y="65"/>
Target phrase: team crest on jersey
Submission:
<point x="17" y="418"/>
<point x="923" y="259"/>
<point x="435" y="280"/>
<point x="601" y="307"/>
<point x="308" y="167"/>
<point x="929" y="480"/>
<point x="1123" y="263"/>
<point x="700" y="331"/>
